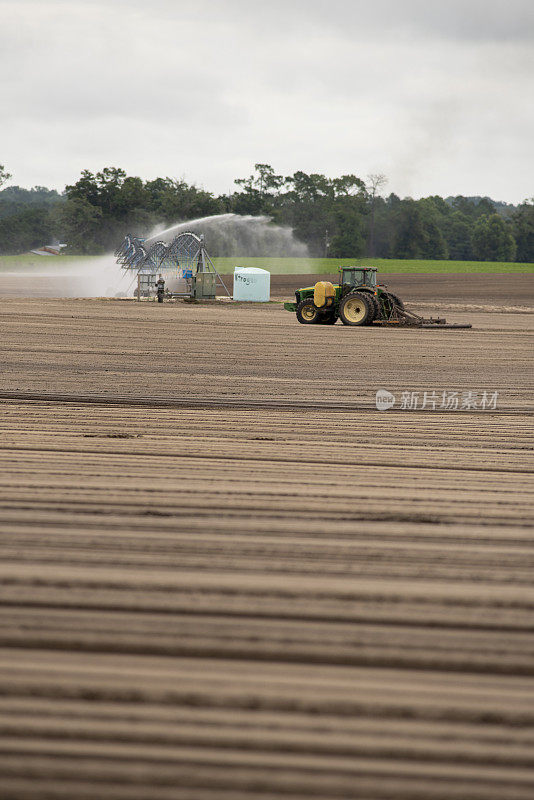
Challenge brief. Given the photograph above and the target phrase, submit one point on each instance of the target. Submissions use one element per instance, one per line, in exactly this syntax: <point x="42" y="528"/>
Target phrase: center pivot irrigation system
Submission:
<point x="184" y="263"/>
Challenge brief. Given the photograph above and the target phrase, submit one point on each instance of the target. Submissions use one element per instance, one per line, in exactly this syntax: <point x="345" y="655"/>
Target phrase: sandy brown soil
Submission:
<point x="468" y="291"/>
<point x="464" y="288"/>
<point x="226" y="575"/>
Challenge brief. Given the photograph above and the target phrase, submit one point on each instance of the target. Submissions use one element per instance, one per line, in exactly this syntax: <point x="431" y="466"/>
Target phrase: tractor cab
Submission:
<point x="358" y="276"/>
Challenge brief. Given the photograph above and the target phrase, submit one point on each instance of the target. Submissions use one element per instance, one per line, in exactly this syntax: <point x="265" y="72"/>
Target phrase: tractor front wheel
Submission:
<point x="356" y="309"/>
<point x="307" y="312"/>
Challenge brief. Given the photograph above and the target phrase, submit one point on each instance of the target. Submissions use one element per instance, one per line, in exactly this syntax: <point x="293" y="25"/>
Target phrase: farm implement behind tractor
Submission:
<point x="358" y="300"/>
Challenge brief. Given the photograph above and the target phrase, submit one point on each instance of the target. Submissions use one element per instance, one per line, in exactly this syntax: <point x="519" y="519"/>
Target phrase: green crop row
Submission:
<point x="287" y="266"/>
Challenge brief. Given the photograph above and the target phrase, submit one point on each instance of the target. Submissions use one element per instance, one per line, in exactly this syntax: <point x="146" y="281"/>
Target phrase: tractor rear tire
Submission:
<point x="356" y="309"/>
<point x="307" y="312"/>
<point x="396" y="300"/>
<point x="376" y="308"/>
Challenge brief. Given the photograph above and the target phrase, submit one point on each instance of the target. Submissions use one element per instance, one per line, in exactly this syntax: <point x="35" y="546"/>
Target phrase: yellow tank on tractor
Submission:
<point x="357" y="300"/>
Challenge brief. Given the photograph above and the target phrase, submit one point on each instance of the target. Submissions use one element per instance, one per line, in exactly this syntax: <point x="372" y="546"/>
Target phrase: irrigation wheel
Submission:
<point x="307" y="312"/>
<point x="355" y="309"/>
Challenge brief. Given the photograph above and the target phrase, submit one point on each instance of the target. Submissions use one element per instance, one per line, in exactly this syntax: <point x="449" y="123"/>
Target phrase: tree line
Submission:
<point x="344" y="217"/>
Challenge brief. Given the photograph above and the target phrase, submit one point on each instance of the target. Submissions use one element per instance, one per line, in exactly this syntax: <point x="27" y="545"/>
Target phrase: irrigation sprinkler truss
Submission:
<point x="184" y="258"/>
<point x="153" y="259"/>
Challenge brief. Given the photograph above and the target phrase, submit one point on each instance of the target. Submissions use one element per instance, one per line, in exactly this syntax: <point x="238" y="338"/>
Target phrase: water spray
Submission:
<point x="228" y="234"/>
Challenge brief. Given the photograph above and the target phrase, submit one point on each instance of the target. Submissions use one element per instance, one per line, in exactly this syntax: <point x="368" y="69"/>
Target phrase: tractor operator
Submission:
<point x="160" y="288"/>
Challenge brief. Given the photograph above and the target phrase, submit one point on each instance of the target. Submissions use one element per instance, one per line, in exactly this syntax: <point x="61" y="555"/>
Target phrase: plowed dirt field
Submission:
<point x="225" y="574"/>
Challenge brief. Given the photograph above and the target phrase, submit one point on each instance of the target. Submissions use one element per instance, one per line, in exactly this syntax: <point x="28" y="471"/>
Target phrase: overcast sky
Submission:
<point x="439" y="96"/>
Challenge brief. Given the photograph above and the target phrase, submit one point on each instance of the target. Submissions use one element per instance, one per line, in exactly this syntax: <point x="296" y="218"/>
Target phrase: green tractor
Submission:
<point x="357" y="300"/>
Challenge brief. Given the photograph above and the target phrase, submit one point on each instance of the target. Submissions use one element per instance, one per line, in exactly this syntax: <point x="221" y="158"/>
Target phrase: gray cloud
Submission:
<point x="437" y="95"/>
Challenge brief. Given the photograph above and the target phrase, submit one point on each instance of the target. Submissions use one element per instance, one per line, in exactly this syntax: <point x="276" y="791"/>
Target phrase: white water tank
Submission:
<point x="253" y="284"/>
